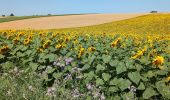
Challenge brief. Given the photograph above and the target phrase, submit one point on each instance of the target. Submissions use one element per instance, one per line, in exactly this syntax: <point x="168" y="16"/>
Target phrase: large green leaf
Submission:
<point x="150" y="74"/>
<point x="50" y="70"/>
<point x="100" y="67"/>
<point x="57" y="75"/>
<point x="34" y="66"/>
<point x="163" y="89"/>
<point x="114" y="63"/>
<point x="148" y="93"/>
<point x="123" y="83"/>
<point x="89" y="76"/>
<point x="134" y="77"/>
<point x="51" y="57"/>
<point x="91" y="59"/>
<point x="106" y="58"/>
<point x="1" y="56"/>
<point x="106" y="76"/>
<point x="121" y="68"/>
<point x="20" y="54"/>
<point x="86" y="66"/>
<point x="114" y="81"/>
<point x="129" y="96"/>
<point x="99" y="82"/>
<point x="8" y="65"/>
<point x="29" y="52"/>
<point x="141" y="86"/>
<point x="113" y="89"/>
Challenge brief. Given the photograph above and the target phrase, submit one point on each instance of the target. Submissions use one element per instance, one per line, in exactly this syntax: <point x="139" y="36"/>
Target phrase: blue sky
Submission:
<point x="42" y="7"/>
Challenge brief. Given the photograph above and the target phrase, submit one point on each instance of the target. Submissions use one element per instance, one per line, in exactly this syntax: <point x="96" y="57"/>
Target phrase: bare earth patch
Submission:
<point x="2" y="17"/>
<point x="56" y="22"/>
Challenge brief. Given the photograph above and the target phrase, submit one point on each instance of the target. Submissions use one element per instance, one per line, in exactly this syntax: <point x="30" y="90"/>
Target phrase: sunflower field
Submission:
<point x="70" y="65"/>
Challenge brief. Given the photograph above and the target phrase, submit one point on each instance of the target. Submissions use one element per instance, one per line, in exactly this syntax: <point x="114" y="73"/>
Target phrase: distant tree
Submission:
<point x="49" y="14"/>
<point x="12" y="14"/>
<point x="3" y="15"/>
<point x="154" y="12"/>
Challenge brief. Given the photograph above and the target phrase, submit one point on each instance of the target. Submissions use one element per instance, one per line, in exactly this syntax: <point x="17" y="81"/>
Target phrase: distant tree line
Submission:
<point x="9" y="15"/>
<point x="154" y="12"/>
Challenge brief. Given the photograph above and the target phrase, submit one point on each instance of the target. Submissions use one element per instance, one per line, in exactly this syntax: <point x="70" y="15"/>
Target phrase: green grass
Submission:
<point x="14" y="18"/>
<point x="152" y="23"/>
<point x="8" y="19"/>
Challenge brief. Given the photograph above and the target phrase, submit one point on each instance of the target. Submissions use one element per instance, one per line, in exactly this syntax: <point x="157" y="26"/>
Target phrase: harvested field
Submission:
<point x="56" y="22"/>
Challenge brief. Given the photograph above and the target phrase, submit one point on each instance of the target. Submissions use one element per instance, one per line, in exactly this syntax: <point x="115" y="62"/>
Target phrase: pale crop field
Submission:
<point x="56" y="22"/>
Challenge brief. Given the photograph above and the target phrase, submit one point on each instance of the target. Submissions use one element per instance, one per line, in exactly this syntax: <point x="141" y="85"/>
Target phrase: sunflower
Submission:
<point x="4" y="49"/>
<point x="114" y="43"/>
<point x="139" y="53"/>
<point x="168" y="78"/>
<point x="81" y="51"/>
<point x="58" y="46"/>
<point x="158" y="61"/>
<point x="40" y="50"/>
<point x="16" y="40"/>
<point x="46" y="44"/>
<point x="27" y="41"/>
<point x="91" y="49"/>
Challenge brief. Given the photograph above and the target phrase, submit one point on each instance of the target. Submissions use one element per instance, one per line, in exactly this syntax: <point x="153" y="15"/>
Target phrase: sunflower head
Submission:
<point x="58" y="46"/>
<point x="4" y="49"/>
<point x="27" y="41"/>
<point x="168" y="79"/>
<point x="91" y="49"/>
<point x="158" y="61"/>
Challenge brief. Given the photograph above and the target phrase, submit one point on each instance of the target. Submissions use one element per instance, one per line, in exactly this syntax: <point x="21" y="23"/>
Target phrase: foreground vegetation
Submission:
<point x="57" y="64"/>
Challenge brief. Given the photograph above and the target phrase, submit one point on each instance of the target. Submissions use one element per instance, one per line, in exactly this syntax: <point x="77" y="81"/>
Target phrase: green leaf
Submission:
<point x="106" y="58"/>
<point x="19" y="54"/>
<point x="89" y="76"/>
<point x="29" y="52"/>
<point x="114" y="63"/>
<point x="114" y="81"/>
<point x="129" y="96"/>
<point x="1" y="56"/>
<point x="161" y="72"/>
<point x="134" y="77"/>
<point x="99" y="82"/>
<point x="163" y="89"/>
<point x="86" y="66"/>
<point x="8" y="65"/>
<point x="144" y="60"/>
<point x="121" y="68"/>
<point x="113" y="89"/>
<point x="148" y="93"/>
<point x="24" y="48"/>
<point x="141" y="86"/>
<point x="129" y="64"/>
<point x="51" y="57"/>
<point x="99" y="67"/>
<point x="57" y="75"/>
<point x="123" y="83"/>
<point x="34" y="66"/>
<point x="50" y="70"/>
<point x="138" y="67"/>
<point x="91" y="59"/>
<point x="150" y="74"/>
<point x="106" y="76"/>
<point x="88" y="98"/>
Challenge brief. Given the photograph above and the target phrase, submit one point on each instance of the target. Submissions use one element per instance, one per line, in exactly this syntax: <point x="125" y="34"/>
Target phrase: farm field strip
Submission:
<point x="56" y="22"/>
